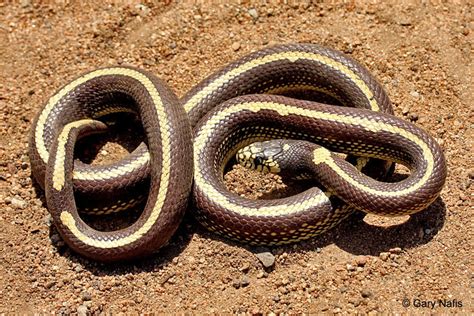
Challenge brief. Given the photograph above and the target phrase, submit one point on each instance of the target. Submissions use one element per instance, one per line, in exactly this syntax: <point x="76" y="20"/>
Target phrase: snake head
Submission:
<point x="283" y="156"/>
<point x="289" y="158"/>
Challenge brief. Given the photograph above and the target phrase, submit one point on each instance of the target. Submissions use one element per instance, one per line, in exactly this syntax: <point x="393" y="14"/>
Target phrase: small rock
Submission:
<point x="236" y="284"/>
<point x="318" y="250"/>
<point x="253" y="13"/>
<point x="404" y="21"/>
<point x="427" y="231"/>
<point x="245" y="281"/>
<point x="284" y="290"/>
<point x="471" y="174"/>
<point x="142" y="10"/>
<point x="49" y="284"/>
<point x="415" y="94"/>
<point x="86" y="296"/>
<point x="261" y="274"/>
<point x="18" y="202"/>
<point x="406" y="110"/>
<point x="167" y="277"/>
<point x="48" y="220"/>
<point x="396" y="250"/>
<point x="82" y="310"/>
<point x="266" y="258"/>
<point x="25" y="3"/>
<point x="365" y="293"/>
<point x="276" y="298"/>
<point x="361" y="261"/>
<point x="235" y="46"/>
<point x="414" y="117"/>
<point x="350" y="267"/>
<point x="245" y="267"/>
<point x="55" y="238"/>
<point x="384" y="256"/>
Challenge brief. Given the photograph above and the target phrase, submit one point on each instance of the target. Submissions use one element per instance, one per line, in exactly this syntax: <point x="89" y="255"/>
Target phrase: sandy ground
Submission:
<point x="421" y="54"/>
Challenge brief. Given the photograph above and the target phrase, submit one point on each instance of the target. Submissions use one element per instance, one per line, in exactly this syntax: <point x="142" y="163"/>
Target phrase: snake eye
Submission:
<point x="258" y="161"/>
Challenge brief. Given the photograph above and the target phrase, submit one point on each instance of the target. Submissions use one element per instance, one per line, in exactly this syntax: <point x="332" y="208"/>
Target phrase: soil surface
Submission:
<point x="421" y="54"/>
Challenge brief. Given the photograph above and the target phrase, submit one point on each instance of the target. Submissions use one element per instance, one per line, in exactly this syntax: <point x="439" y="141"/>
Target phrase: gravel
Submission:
<point x="266" y="258"/>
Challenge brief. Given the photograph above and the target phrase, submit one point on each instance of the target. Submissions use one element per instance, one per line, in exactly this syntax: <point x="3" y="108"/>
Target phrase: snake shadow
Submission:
<point x="357" y="236"/>
<point x="366" y="234"/>
<point x="361" y="233"/>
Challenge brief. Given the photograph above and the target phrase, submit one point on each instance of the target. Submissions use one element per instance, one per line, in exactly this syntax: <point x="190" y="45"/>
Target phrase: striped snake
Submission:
<point x="240" y="107"/>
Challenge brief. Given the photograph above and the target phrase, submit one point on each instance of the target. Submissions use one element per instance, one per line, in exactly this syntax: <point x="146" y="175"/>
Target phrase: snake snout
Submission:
<point x="262" y="156"/>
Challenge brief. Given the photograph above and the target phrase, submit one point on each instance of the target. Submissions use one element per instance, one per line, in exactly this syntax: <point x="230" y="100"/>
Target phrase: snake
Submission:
<point x="316" y="98"/>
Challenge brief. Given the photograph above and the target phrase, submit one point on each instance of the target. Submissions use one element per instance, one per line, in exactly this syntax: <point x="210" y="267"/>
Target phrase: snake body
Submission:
<point x="225" y="116"/>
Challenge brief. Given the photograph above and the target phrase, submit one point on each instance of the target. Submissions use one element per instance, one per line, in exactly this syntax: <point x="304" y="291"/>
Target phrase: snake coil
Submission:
<point x="227" y="111"/>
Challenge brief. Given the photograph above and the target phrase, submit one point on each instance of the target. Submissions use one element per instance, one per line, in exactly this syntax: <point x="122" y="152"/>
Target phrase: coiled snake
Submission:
<point x="225" y="114"/>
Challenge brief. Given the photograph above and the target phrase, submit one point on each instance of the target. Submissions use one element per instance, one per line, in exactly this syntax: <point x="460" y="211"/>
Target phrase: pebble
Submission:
<point x="384" y="256"/>
<point x="245" y="281"/>
<point x="350" y="267"/>
<point x="427" y="231"/>
<point x="236" y="284"/>
<point x="18" y="202"/>
<point x="25" y="3"/>
<point x="261" y="274"/>
<point x="414" y="117"/>
<point x="396" y="250"/>
<point x="276" y="298"/>
<point x="48" y="220"/>
<point x="86" y="296"/>
<point x="406" y="110"/>
<point x="404" y="21"/>
<point x="415" y="94"/>
<point x="365" y="293"/>
<point x="471" y="174"/>
<point x="82" y="310"/>
<point x="245" y="267"/>
<point x="235" y="46"/>
<point x="361" y="261"/>
<point x="253" y="13"/>
<point x="266" y="258"/>
<point x="55" y="238"/>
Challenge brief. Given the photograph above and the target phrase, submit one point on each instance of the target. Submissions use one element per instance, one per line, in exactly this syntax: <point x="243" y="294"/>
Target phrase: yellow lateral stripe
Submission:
<point x="292" y="56"/>
<point x="118" y="109"/>
<point x="111" y="173"/>
<point x="66" y="217"/>
<point x="205" y="132"/>
<point x="59" y="172"/>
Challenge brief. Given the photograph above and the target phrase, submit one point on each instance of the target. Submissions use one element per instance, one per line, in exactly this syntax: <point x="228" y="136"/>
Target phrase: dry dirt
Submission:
<point x="421" y="54"/>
